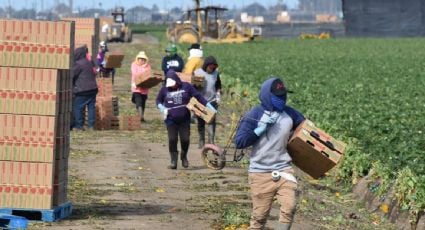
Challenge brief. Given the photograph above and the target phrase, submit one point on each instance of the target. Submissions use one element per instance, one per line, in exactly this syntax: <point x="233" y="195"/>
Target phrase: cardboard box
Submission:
<point x="113" y="60"/>
<point x="198" y="82"/>
<point x="86" y="33"/>
<point x="200" y="110"/>
<point x="149" y="79"/>
<point x="314" y="151"/>
<point x="129" y="123"/>
<point x="33" y="197"/>
<point x="34" y="138"/>
<point x="184" y="77"/>
<point x="36" y="44"/>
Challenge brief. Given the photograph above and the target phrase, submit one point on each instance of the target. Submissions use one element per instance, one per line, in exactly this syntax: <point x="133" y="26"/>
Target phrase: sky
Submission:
<point x="162" y="4"/>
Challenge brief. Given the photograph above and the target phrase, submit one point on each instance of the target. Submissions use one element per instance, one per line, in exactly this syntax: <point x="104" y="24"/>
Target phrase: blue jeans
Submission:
<point x="80" y="103"/>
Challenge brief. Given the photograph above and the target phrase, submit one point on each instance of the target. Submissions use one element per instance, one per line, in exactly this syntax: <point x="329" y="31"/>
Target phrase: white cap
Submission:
<point x="170" y="82"/>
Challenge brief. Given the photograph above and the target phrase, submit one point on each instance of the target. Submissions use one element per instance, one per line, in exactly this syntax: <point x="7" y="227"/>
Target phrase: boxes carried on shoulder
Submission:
<point x="197" y="81"/>
<point x="314" y="151"/>
<point x="200" y="110"/>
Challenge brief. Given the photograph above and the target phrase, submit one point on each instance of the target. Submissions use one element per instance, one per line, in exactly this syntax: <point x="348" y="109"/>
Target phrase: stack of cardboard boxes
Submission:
<point x="107" y="111"/>
<point x="87" y="33"/>
<point x="35" y="109"/>
<point x="105" y="115"/>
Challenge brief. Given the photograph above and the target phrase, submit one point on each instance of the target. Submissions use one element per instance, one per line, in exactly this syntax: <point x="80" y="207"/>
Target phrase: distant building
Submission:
<point x="384" y="17"/>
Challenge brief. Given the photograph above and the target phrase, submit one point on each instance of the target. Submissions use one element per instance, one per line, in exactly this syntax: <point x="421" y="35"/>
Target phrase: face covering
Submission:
<point x="170" y="82"/>
<point x="278" y="103"/>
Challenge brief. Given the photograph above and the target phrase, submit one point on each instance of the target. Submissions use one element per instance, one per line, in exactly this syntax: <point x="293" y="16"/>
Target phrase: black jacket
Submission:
<point x="83" y="79"/>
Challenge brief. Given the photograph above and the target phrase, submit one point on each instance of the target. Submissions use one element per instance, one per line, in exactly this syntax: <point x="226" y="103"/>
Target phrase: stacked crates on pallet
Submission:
<point x="35" y="109"/>
<point x="104" y="105"/>
<point x="86" y="33"/>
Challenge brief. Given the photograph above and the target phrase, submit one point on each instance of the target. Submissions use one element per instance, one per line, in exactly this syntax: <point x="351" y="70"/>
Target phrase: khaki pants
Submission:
<point x="263" y="190"/>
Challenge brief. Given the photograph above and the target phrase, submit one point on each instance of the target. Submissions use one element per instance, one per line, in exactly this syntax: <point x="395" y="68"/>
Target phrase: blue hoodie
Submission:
<point x="176" y="100"/>
<point x="269" y="151"/>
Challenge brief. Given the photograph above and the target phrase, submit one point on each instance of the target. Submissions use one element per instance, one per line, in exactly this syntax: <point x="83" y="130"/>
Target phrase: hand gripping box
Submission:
<point x="314" y="151"/>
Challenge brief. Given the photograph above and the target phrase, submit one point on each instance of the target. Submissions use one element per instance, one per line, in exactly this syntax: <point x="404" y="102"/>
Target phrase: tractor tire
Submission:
<point x="188" y="36"/>
<point x="130" y="38"/>
<point x="213" y="157"/>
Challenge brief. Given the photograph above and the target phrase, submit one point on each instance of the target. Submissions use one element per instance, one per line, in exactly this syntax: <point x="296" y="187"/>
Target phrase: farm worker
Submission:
<point x="101" y="62"/>
<point x="140" y="95"/>
<point x="211" y="92"/>
<point x="171" y="101"/>
<point x="172" y="60"/>
<point x="267" y="128"/>
<point x="194" y="61"/>
<point x="84" y="88"/>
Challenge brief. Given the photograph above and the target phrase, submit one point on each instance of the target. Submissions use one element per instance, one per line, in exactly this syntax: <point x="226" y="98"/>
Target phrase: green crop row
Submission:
<point x="366" y="92"/>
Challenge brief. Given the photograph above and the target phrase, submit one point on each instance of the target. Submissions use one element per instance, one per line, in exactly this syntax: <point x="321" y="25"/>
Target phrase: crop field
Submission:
<point x="367" y="92"/>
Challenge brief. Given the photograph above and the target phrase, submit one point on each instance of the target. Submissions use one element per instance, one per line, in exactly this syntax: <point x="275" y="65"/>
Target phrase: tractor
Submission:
<point x="118" y="30"/>
<point x="203" y="24"/>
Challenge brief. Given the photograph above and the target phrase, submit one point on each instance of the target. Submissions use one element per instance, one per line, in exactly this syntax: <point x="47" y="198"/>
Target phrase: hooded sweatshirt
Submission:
<point x="135" y="71"/>
<point x="269" y="151"/>
<point x="174" y="62"/>
<point x="194" y="61"/>
<point x="84" y="79"/>
<point x="212" y="80"/>
<point x="176" y="100"/>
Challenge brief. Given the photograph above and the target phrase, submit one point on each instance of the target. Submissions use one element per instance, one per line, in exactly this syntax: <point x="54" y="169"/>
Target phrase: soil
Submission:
<point x="119" y="179"/>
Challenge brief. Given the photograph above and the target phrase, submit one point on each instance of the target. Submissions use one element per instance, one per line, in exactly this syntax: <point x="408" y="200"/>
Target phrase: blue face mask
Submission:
<point x="278" y="103"/>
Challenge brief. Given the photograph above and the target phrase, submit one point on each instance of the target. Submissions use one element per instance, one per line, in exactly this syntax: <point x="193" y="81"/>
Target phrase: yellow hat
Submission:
<point x="143" y="55"/>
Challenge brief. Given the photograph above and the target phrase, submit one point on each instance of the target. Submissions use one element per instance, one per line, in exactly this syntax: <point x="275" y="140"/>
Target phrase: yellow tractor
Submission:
<point x="203" y="24"/>
<point x="118" y="30"/>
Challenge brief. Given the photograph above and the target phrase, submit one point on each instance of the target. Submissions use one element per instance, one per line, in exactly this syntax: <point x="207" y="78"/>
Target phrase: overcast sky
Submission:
<point x="162" y="4"/>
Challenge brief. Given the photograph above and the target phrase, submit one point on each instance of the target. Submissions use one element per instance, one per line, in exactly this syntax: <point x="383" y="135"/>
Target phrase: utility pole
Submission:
<point x="9" y="9"/>
<point x="71" y="6"/>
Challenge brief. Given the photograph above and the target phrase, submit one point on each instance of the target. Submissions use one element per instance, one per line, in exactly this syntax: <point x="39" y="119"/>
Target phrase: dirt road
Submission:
<point x="119" y="179"/>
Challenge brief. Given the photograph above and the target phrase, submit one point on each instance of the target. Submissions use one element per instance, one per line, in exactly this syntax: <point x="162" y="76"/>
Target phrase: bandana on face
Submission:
<point x="278" y="103"/>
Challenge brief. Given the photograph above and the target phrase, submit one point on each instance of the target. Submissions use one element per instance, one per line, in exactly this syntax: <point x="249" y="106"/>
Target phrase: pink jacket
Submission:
<point x="136" y="70"/>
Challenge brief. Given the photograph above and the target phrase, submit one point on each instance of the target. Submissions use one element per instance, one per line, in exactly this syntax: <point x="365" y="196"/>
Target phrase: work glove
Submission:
<point x="210" y="106"/>
<point x="218" y="97"/>
<point x="261" y="128"/>
<point x="163" y="110"/>
<point x="266" y="120"/>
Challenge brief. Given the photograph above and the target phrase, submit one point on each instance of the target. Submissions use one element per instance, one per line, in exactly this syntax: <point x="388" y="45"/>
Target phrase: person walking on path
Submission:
<point x="211" y="91"/>
<point x="267" y="128"/>
<point x="140" y="66"/>
<point x="194" y="61"/>
<point x="172" y="60"/>
<point x="84" y="89"/>
<point x="171" y="101"/>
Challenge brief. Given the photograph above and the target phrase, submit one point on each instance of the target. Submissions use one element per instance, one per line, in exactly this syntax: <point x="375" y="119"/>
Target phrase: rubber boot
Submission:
<point x="140" y="111"/>
<point x="185" y="162"/>
<point x="201" y="142"/>
<point x="174" y="156"/>
<point x="211" y="134"/>
<point x="284" y="226"/>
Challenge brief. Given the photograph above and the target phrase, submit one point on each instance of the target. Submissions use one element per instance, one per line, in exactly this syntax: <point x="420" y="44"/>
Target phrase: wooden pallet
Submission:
<point x="47" y="215"/>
